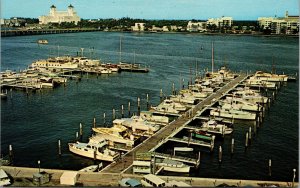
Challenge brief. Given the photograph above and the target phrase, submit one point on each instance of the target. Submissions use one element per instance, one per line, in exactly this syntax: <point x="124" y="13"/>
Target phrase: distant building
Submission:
<point x="138" y="27"/>
<point x="280" y="25"/>
<point x="196" y="26"/>
<point x="220" y="22"/>
<point x="165" y="28"/>
<point x="173" y="28"/>
<point x="13" y="22"/>
<point x="265" y="22"/>
<point x="156" y="29"/>
<point x="60" y="16"/>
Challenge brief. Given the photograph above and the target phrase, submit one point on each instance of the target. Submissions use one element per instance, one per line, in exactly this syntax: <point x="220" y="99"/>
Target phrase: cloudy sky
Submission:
<point x="154" y="9"/>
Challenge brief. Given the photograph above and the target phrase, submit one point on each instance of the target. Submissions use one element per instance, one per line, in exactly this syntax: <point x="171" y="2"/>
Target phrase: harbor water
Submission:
<point x="33" y="124"/>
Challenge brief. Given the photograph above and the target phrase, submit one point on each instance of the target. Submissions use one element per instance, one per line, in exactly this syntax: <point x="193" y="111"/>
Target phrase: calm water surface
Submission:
<point x="34" y="124"/>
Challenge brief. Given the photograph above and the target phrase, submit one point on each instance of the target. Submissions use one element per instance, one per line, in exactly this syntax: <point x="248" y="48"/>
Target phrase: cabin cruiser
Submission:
<point x="97" y="150"/>
<point x="186" y="98"/>
<point x="254" y="82"/>
<point x="250" y="96"/>
<point x="169" y="106"/>
<point x="270" y="77"/>
<point x="115" y="134"/>
<point x="138" y="123"/>
<point x="149" y="116"/>
<point x="232" y="113"/>
<point x="195" y="92"/>
<point x="212" y="126"/>
<point x="240" y="104"/>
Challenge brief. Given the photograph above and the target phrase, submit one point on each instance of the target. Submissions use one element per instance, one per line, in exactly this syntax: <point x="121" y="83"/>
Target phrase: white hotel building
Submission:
<point x="60" y="16"/>
<point x="220" y="22"/>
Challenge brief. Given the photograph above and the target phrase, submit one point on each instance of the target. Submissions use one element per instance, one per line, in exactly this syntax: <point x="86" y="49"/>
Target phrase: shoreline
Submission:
<point x="23" y="175"/>
<point x="16" y="33"/>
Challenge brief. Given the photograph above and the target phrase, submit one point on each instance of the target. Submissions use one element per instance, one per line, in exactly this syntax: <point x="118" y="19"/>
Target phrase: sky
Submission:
<point x="154" y="9"/>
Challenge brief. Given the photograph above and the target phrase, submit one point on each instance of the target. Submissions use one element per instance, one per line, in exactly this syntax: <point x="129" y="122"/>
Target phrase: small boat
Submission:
<point x="42" y="41"/>
<point x="173" y="166"/>
<point x="92" y="168"/>
<point x="213" y="127"/>
<point x="141" y="167"/>
<point x="4" y="179"/>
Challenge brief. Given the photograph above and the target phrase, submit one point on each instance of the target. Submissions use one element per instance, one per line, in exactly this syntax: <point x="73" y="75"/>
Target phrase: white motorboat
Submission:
<point x="172" y="165"/>
<point x="240" y="104"/>
<point x="250" y="96"/>
<point x="92" y="168"/>
<point x="169" y="106"/>
<point x="149" y="116"/>
<point x="42" y="41"/>
<point x="195" y="92"/>
<point x="232" y="113"/>
<point x="115" y="134"/>
<point x="214" y="127"/>
<point x="137" y="123"/>
<point x="270" y="77"/>
<point x="93" y="150"/>
<point x="254" y="82"/>
<point x="185" y="98"/>
<point x="4" y="179"/>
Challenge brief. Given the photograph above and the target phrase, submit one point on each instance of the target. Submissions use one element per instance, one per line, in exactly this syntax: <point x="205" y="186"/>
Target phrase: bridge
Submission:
<point x="23" y="32"/>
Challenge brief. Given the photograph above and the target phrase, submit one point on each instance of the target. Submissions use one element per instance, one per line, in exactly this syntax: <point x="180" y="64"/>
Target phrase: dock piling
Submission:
<point x="161" y="95"/>
<point x="59" y="148"/>
<point x="147" y="96"/>
<point x="294" y="176"/>
<point x="173" y="88"/>
<point x="247" y="138"/>
<point x="122" y="111"/>
<point x="220" y="154"/>
<point x="94" y="122"/>
<point x="104" y="119"/>
<point x="10" y="153"/>
<point x="270" y="167"/>
<point x="250" y="135"/>
<point x="232" y="145"/>
<point x="80" y="131"/>
<point x="113" y="114"/>
<point x="138" y="106"/>
<point x="129" y="109"/>
<point x="77" y="136"/>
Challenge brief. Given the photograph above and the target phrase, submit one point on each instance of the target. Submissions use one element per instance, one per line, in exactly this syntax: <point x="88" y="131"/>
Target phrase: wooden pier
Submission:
<point x="148" y="144"/>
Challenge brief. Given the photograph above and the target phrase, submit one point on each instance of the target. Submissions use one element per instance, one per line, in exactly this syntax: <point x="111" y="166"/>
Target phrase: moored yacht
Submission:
<point x="115" y="134"/>
<point x="232" y="113"/>
<point x="93" y="150"/>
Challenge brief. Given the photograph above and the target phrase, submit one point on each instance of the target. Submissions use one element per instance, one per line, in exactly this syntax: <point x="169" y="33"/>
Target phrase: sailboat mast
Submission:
<point x="212" y="57"/>
<point x="120" y="50"/>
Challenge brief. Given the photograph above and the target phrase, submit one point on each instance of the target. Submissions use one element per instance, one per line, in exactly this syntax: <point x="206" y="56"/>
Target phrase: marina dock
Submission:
<point x="155" y="140"/>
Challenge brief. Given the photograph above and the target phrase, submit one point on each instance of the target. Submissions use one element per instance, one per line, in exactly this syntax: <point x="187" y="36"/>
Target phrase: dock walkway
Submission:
<point x="148" y="144"/>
